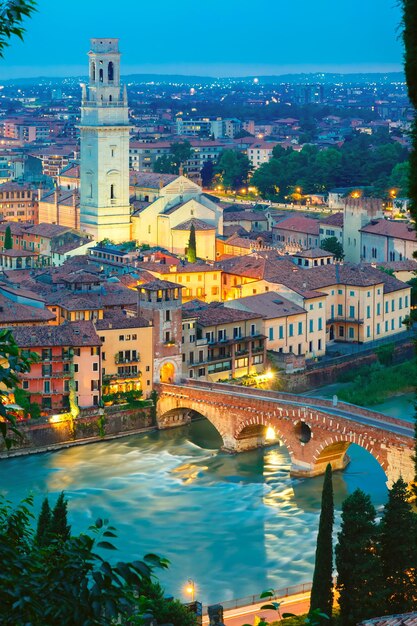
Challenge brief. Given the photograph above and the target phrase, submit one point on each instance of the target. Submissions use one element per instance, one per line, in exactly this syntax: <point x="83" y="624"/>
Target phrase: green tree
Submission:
<point x="398" y="549"/>
<point x="400" y="178"/>
<point x="192" y="246"/>
<point x="332" y="244"/>
<point x="322" y="588"/>
<point x="8" y="239"/>
<point x="207" y="174"/>
<point x="164" y="611"/>
<point x="12" y="15"/>
<point x="13" y="364"/>
<point x="357" y="564"/>
<point x="180" y="152"/>
<point x="70" y="587"/>
<point x="43" y="537"/>
<point x="233" y="168"/>
<point x="59" y="528"/>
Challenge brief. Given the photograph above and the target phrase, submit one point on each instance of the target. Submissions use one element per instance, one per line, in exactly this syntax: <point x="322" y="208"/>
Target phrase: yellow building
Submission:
<point x="126" y="354"/>
<point x="199" y="280"/>
<point x="221" y="342"/>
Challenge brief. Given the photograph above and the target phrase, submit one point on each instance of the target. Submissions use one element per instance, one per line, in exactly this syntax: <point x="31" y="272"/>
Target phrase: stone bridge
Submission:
<point x="315" y="431"/>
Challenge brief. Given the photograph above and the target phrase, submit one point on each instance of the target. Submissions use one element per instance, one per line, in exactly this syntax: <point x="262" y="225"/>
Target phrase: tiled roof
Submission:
<point x="198" y="225"/>
<point x="150" y="180"/>
<point x="80" y="276"/>
<point x="269" y="305"/>
<point x="246" y="216"/>
<point x="65" y="197"/>
<point x="114" y="319"/>
<point x="405" y="619"/>
<point x="12" y="313"/>
<point x="313" y="253"/>
<point x="214" y="314"/>
<point x="387" y="228"/>
<point x="13" y="186"/>
<point x="71" y="171"/>
<point x="48" y="230"/>
<point x="299" y="224"/>
<point x="68" y="334"/>
<point x="397" y="266"/>
<point x="155" y="285"/>
<point x="336" y="219"/>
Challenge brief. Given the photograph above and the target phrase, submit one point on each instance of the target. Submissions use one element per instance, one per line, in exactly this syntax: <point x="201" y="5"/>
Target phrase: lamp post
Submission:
<point x="190" y="589"/>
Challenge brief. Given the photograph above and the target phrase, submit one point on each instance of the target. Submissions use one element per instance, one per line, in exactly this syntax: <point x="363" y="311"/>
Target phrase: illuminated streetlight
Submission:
<point x="190" y="589"/>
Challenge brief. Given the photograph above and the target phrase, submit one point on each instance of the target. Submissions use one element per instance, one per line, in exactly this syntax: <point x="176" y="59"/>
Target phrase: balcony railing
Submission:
<point x="131" y="359"/>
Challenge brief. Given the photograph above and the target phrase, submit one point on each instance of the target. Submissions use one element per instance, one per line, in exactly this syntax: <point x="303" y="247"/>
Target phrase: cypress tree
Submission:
<point x="192" y="247"/>
<point x="398" y="551"/>
<point x="357" y="564"/>
<point x="42" y="537"/>
<point x="322" y="589"/>
<point x="8" y="240"/>
<point x="59" y="527"/>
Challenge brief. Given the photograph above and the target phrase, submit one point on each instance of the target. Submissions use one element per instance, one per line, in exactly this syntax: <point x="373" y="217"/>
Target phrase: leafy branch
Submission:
<point x="12" y="15"/>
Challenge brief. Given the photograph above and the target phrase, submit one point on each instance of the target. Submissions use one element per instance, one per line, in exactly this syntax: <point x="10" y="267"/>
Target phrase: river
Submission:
<point x="236" y="525"/>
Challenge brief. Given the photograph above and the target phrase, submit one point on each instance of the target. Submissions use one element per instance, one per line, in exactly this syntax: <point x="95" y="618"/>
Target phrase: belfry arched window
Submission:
<point x="93" y="71"/>
<point x="101" y="75"/>
<point x="112" y="196"/>
<point x="110" y="71"/>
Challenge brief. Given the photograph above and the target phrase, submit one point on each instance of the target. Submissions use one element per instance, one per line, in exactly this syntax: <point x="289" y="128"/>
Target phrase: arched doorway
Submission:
<point x="167" y="373"/>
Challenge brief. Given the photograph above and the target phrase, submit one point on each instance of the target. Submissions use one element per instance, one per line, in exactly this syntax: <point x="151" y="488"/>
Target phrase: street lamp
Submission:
<point x="190" y="589"/>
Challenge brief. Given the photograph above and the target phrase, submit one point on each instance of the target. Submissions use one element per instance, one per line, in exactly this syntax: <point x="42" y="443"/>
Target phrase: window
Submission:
<point x="95" y="367"/>
<point x="351" y="293"/>
<point x="112" y="196"/>
<point x="320" y="305"/>
<point x="167" y="336"/>
<point x="46" y="370"/>
<point x="134" y="337"/>
<point x="94" y="385"/>
<point x="167" y="316"/>
<point x="341" y="331"/>
<point x="320" y="324"/>
<point x="386" y="326"/>
<point x="75" y="367"/>
<point x="386" y="306"/>
<point x="95" y="351"/>
<point x="378" y="329"/>
<point x="339" y="291"/>
<point x="351" y="333"/>
<point x="253" y="329"/>
<point x="271" y="334"/>
<point x="121" y="337"/>
<point x="400" y="303"/>
<point x="351" y="311"/>
<point x="291" y="330"/>
<point x="237" y="332"/>
<point x="406" y="301"/>
<point x="300" y="328"/>
<point x="202" y="371"/>
<point x="311" y="307"/>
<point x="368" y="331"/>
<point x="318" y="345"/>
<point x="340" y="309"/>
<point x="378" y="308"/>
<point x="368" y="312"/>
<point x="281" y="332"/>
<point x="393" y="305"/>
<point x="46" y="386"/>
<point x="25" y="384"/>
<point x="311" y="326"/>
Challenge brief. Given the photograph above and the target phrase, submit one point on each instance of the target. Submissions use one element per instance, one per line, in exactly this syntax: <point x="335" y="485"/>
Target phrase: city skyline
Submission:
<point x="285" y="43"/>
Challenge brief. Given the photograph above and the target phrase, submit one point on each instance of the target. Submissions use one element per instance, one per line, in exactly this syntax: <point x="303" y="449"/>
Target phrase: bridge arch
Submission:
<point x="252" y="432"/>
<point x="334" y="449"/>
<point x="182" y="414"/>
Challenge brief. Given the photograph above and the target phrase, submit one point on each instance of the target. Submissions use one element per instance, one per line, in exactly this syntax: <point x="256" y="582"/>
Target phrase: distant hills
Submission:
<point x="179" y="79"/>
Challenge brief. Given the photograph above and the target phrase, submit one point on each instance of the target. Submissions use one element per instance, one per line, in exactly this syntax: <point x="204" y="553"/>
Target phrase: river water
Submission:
<point x="236" y="525"/>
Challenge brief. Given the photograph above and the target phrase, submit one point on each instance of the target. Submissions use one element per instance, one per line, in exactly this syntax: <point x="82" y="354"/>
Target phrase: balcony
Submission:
<point x="134" y="358"/>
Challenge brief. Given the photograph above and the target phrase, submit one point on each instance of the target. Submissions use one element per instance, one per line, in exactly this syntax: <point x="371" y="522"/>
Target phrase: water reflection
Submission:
<point x="234" y="524"/>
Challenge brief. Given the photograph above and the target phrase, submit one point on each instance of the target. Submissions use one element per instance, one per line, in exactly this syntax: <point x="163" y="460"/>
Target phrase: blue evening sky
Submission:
<point x="212" y="37"/>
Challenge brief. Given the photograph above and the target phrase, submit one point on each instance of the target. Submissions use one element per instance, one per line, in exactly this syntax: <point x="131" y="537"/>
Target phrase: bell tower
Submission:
<point x="104" y="138"/>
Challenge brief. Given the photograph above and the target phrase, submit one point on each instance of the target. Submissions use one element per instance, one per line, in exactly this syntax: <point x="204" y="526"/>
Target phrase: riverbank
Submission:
<point x="373" y="385"/>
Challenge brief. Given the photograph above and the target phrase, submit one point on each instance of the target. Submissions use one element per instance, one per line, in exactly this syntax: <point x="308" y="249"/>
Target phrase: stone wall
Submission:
<point x="327" y="374"/>
<point x="91" y="425"/>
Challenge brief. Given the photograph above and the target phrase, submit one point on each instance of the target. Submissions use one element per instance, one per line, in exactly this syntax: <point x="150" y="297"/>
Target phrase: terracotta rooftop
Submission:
<point x="269" y="305"/>
<point x="68" y="334"/>
<point x="336" y="219"/>
<point x="387" y="228"/>
<point x="150" y="180"/>
<point x="48" y="230"/>
<point x="215" y="313"/>
<point x="406" y="619"/>
<point x="245" y="216"/>
<point x="114" y="319"/>
<point x="299" y="224"/>
<point x="155" y="285"/>
<point x="15" y="313"/>
<point x="313" y="253"/>
<point x="198" y="225"/>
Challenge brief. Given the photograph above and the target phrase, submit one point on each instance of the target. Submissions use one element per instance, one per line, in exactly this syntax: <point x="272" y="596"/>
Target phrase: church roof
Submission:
<point x="198" y="225"/>
<point x="150" y="180"/>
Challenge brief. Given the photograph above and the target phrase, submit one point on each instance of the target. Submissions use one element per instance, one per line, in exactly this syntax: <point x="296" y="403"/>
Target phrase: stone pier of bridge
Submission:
<point x="314" y="434"/>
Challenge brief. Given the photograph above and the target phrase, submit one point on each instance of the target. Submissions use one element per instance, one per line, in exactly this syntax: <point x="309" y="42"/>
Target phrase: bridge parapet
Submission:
<point x="314" y="431"/>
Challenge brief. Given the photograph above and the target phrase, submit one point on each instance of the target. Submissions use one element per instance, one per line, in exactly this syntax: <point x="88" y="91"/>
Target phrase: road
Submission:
<point x="297" y="604"/>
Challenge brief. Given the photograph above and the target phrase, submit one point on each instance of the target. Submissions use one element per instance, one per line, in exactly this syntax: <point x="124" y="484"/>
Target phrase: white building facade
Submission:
<point x="104" y="137"/>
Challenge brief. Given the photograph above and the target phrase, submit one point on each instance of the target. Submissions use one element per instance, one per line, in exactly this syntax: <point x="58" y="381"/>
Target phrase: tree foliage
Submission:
<point x="332" y="244"/>
<point x="12" y="16"/>
<point x="8" y="239"/>
<point x="13" y="363"/>
<point x="362" y="160"/>
<point x="192" y="246"/>
<point x="180" y="152"/>
<point x="69" y="586"/>
<point x="357" y="563"/>
<point x="233" y="169"/>
<point x="59" y="529"/>
<point x="42" y="537"/>
<point x="398" y="550"/>
<point x="322" y="588"/>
